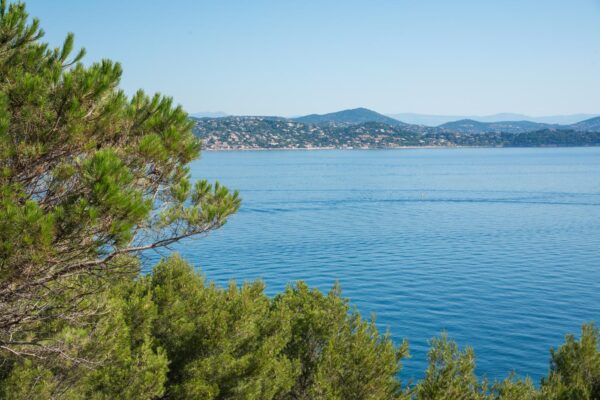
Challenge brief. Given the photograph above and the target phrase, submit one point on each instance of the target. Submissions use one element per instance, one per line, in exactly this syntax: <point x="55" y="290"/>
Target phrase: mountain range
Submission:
<point x="209" y="114"/>
<point x="363" y="128"/>
<point x="360" y="115"/>
<point x="436" y="120"/>
<point x="363" y="115"/>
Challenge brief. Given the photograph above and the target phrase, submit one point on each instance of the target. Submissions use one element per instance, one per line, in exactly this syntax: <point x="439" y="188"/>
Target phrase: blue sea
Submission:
<point x="500" y="248"/>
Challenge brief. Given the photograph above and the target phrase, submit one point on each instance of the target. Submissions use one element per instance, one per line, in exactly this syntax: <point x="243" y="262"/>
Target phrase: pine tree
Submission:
<point x="575" y="368"/>
<point x="87" y="177"/>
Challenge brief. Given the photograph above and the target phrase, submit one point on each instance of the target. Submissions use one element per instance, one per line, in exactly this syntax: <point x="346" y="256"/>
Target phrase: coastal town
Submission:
<point x="257" y="132"/>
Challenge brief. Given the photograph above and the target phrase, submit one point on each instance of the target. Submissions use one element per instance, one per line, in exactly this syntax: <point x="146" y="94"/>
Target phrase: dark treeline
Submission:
<point x="542" y="138"/>
<point x="89" y="180"/>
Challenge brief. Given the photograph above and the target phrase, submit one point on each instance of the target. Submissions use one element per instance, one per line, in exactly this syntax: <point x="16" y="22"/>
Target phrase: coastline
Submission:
<point x="341" y="148"/>
<point x="385" y="148"/>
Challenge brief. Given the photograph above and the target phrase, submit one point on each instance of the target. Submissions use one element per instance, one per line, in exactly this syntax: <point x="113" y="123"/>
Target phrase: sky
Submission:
<point x="292" y="57"/>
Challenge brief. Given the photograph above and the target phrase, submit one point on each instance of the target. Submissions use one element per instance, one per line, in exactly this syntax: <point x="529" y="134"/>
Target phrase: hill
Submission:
<point x="364" y="128"/>
<point x="348" y="117"/>
<point x="471" y="126"/>
<point x="436" y="120"/>
<point x="592" y="124"/>
<point x="268" y="133"/>
<point x="246" y="133"/>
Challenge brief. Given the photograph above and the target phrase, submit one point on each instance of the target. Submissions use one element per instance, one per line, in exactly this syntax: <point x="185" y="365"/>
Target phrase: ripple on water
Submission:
<point x="498" y="247"/>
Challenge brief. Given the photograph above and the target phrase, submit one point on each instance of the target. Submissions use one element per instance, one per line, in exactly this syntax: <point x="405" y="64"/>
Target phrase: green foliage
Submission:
<point x="575" y="368"/>
<point x="27" y="381"/>
<point x="514" y="389"/>
<point x="86" y="176"/>
<point x="574" y="374"/>
<point x="220" y="343"/>
<point x="450" y="374"/>
<point x="171" y="334"/>
<point x="237" y="343"/>
<point x="126" y="363"/>
<point x="341" y="356"/>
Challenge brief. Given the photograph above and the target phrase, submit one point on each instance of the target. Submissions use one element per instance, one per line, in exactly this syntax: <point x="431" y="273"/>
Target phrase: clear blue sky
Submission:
<point x="536" y="57"/>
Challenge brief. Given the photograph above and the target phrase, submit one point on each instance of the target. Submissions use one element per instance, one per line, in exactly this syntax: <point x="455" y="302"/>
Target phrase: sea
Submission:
<point x="499" y="248"/>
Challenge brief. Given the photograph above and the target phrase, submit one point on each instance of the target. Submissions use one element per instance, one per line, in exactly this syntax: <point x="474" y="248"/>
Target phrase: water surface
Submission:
<point x="498" y="247"/>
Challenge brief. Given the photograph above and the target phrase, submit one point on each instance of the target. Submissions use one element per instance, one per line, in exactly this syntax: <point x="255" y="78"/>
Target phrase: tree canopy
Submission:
<point x="88" y="177"/>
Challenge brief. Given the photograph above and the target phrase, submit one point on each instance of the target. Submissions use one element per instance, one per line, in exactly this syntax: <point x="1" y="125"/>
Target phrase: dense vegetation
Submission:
<point x="89" y="180"/>
<point x="348" y="117"/>
<point x="275" y="133"/>
<point x="171" y="334"/>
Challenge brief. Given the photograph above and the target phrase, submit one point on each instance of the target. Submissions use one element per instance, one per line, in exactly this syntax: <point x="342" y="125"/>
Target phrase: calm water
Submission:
<point x="498" y="247"/>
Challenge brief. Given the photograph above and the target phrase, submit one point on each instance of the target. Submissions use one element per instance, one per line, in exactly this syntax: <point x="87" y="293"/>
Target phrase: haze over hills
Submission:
<point x="436" y="120"/>
<point x="209" y="114"/>
<point x="361" y="114"/>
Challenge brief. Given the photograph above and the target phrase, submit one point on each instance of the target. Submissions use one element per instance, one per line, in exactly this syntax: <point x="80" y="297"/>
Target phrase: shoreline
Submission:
<point x="390" y="148"/>
<point x="343" y="148"/>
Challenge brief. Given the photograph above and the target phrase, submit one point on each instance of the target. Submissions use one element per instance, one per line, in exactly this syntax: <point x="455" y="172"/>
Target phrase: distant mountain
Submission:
<point x="425" y="119"/>
<point x="592" y="124"/>
<point x="360" y="115"/>
<point x="436" y="120"/>
<point x="239" y="133"/>
<point x="348" y="117"/>
<point x="471" y="126"/>
<point x="363" y="128"/>
<point x="208" y="114"/>
<point x="561" y="119"/>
